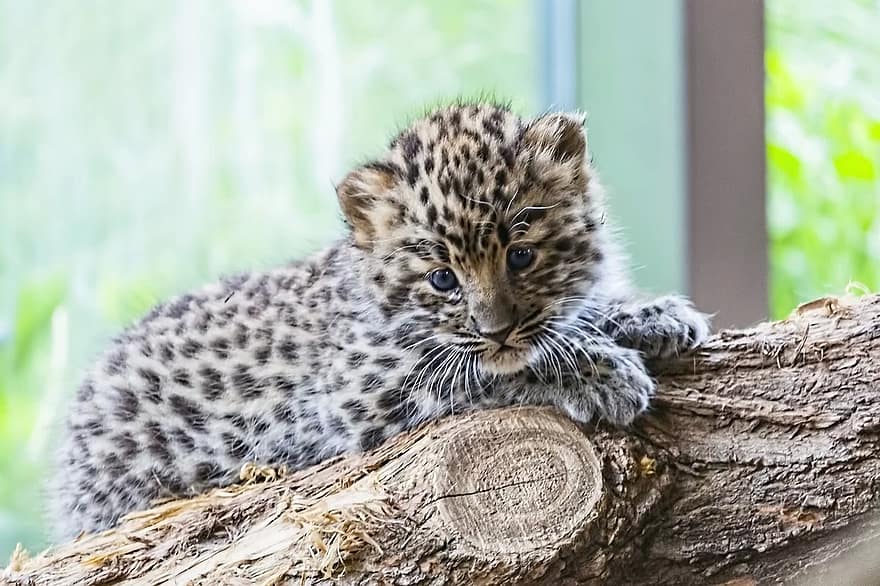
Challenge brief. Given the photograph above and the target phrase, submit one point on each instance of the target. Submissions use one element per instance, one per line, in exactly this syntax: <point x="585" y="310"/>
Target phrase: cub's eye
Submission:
<point x="520" y="257"/>
<point x="443" y="280"/>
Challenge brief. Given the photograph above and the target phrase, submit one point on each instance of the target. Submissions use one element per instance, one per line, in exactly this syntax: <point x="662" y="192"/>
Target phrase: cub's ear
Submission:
<point x="561" y="134"/>
<point x="365" y="198"/>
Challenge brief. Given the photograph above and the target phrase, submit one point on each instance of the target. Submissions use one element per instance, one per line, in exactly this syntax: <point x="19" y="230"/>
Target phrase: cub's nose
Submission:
<point x="498" y="336"/>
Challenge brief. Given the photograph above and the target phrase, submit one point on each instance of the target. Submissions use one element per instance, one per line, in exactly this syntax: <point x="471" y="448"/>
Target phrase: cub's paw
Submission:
<point x="663" y="328"/>
<point x="617" y="392"/>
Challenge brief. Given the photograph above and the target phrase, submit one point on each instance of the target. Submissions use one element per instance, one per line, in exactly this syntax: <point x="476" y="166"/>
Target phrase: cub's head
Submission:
<point x="485" y="226"/>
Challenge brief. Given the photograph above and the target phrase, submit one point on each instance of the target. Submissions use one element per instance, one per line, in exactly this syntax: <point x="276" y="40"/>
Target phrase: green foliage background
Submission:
<point x="148" y="146"/>
<point x="823" y="148"/>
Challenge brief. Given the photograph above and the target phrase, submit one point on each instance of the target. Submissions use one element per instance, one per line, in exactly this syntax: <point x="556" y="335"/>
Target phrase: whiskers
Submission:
<point x="446" y="372"/>
<point x="563" y="332"/>
<point x="559" y="342"/>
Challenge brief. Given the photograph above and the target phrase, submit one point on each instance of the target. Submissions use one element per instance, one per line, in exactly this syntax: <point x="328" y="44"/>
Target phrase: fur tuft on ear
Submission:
<point x="364" y="199"/>
<point x="560" y="133"/>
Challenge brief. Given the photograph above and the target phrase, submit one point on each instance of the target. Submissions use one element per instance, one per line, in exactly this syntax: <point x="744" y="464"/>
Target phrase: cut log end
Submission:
<point x="515" y="485"/>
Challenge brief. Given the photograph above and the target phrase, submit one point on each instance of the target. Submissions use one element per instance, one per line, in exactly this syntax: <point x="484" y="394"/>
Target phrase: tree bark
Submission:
<point x="758" y="463"/>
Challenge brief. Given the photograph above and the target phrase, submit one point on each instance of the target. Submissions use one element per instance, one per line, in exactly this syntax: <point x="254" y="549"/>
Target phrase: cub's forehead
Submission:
<point x="468" y="175"/>
<point x="487" y="124"/>
<point x="461" y="147"/>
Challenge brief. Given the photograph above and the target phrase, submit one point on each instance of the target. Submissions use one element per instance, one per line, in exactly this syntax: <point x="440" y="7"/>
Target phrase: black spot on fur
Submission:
<point x="262" y="354"/>
<point x="191" y="348"/>
<point x="503" y="234"/>
<point x="395" y="404"/>
<point x="152" y="390"/>
<point x="237" y="420"/>
<point x="508" y="156"/>
<point x="412" y="174"/>
<point x="431" y="215"/>
<point x="220" y="346"/>
<point x="95" y="427"/>
<point x="116" y="362"/>
<point x="212" y="383"/>
<point x="287" y="349"/>
<point x="356" y="410"/>
<point x="264" y="334"/>
<point x="258" y="425"/>
<point x="564" y="245"/>
<point x="206" y="472"/>
<point x="166" y="351"/>
<point x="388" y="362"/>
<point x="284" y="413"/>
<point x="241" y="337"/>
<point x="113" y="465"/>
<point x="410" y="144"/>
<point x="183" y="439"/>
<point x="291" y="319"/>
<point x="286" y="385"/>
<point x="236" y="447"/>
<point x="127" y="405"/>
<point x="203" y="322"/>
<point x="372" y="437"/>
<point x="338" y="427"/>
<point x="372" y="382"/>
<point x="314" y="427"/>
<point x="158" y="444"/>
<point x="128" y="448"/>
<point x="189" y="411"/>
<point x="248" y="386"/>
<point x="181" y="377"/>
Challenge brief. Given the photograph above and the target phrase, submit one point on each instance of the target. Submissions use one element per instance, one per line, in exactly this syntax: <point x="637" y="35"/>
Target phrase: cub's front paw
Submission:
<point x="618" y="391"/>
<point x="626" y="392"/>
<point x="664" y="328"/>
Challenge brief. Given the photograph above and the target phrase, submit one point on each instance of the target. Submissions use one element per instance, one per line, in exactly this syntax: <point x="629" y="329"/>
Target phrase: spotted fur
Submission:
<point x="338" y="352"/>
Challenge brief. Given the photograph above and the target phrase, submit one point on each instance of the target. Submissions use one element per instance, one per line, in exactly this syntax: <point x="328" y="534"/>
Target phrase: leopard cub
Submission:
<point x="477" y="271"/>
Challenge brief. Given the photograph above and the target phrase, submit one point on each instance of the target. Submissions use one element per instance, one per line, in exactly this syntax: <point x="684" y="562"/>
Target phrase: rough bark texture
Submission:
<point x="759" y="463"/>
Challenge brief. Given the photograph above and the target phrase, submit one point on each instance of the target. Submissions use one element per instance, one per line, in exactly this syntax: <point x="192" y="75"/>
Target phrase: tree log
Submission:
<point x="758" y="463"/>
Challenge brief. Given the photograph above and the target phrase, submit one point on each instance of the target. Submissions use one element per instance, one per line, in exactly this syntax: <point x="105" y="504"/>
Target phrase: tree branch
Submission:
<point x="758" y="463"/>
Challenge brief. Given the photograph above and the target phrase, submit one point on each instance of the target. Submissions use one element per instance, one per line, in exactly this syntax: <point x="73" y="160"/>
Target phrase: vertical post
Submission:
<point x="558" y="44"/>
<point x="674" y="92"/>
<point x="727" y="244"/>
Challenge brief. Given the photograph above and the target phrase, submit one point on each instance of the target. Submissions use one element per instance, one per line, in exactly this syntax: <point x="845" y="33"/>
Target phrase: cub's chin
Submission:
<point x="505" y="360"/>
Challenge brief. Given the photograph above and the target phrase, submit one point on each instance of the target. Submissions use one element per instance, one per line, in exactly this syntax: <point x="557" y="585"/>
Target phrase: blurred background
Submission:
<point x="149" y="146"/>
